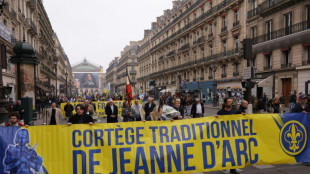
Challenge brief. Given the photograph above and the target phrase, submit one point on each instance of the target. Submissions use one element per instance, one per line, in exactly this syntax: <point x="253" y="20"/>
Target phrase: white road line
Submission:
<point x="264" y="166"/>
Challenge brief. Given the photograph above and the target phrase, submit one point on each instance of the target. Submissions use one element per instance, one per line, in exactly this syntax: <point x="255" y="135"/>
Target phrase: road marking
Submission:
<point x="264" y="166"/>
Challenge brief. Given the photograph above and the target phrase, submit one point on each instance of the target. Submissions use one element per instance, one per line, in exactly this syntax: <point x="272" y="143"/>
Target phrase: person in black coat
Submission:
<point x="111" y="110"/>
<point x="302" y="106"/>
<point x="148" y="107"/>
<point x="197" y="109"/>
<point x="19" y="108"/>
<point x="80" y="117"/>
<point x="243" y="107"/>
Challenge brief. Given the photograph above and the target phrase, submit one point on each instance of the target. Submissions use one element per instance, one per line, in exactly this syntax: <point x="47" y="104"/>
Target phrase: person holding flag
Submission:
<point x="129" y="91"/>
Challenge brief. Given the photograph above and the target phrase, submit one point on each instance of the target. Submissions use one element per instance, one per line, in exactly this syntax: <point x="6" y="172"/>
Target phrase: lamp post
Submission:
<point x="66" y="74"/>
<point x="214" y="67"/>
<point x="55" y="61"/>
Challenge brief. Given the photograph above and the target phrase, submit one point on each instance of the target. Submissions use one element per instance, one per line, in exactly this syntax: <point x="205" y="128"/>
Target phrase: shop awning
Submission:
<point x="43" y="88"/>
<point x="268" y="82"/>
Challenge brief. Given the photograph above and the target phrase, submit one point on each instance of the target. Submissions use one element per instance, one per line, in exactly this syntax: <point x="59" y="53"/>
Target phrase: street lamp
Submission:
<point x="66" y="74"/>
<point x="2" y="4"/>
<point x="214" y="67"/>
<point x="55" y="61"/>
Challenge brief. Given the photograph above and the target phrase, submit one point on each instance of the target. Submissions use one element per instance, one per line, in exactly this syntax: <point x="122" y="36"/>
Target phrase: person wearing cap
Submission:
<point x="301" y="106"/>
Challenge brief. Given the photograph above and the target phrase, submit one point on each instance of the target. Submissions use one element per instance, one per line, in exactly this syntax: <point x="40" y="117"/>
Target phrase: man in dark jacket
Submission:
<point x="80" y="117"/>
<point x="19" y="108"/>
<point x="197" y="109"/>
<point x="302" y="106"/>
<point x="112" y="111"/>
<point x="243" y="107"/>
<point x="148" y="107"/>
<point x="68" y="109"/>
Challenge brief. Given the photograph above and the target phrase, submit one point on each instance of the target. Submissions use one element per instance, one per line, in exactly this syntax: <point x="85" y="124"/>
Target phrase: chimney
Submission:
<point x="145" y="32"/>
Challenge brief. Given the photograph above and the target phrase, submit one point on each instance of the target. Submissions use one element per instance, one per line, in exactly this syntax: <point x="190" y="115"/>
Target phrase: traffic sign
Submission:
<point x="248" y="73"/>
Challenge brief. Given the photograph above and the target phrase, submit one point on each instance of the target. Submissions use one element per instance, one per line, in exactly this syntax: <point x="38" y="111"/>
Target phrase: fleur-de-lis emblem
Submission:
<point x="293" y="136"/>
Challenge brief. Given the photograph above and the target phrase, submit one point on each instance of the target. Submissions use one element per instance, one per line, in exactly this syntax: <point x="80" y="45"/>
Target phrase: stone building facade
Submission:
<point x="27" y="19"/>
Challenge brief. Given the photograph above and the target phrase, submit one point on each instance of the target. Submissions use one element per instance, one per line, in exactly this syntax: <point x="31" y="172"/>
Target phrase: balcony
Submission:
<point x="210" y="77"/>
<point x="184" y="47"/>
<point x="14" y="13"/>
<point x="235" y="24"/>
<point x="32" y="4"/>
<point x="306" y="62"/>
<point x="223" y="75"/>
<point x="32" y="25"/>
<point x="302" y="26"/>
<point x="286" y="65"/>
<point x="235" y="74"/>
<point x="265" y="6"/>
<point x="201" y="40"/>
<point x="224" y="29"/>
<point x="171" y="53"/>
<point x="267" y="68"/>
<point x="202" y="78"/>
<point x="161" y="58"/>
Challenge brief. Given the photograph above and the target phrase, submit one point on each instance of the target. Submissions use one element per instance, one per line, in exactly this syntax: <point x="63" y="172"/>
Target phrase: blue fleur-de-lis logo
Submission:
<point x="293" y="138"/>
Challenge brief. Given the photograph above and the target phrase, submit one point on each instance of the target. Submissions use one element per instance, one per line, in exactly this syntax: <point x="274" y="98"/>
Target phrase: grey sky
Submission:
<point x="100" y="29"/>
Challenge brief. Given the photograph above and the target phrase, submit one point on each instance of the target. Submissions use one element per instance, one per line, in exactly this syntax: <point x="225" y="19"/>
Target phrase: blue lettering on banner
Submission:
<point x="160" y="160"/>
<point x="93" y="163"/>
<point x="141" y="155"/>
<point x="230" y="157"/>
<point x="75" y="159"/>
<point x="188" y="156"/>
<point x="176" y="157"/>
<point x="189" y="137"/>
<point x="74" y="138"/>
<point x="206" y="164"/>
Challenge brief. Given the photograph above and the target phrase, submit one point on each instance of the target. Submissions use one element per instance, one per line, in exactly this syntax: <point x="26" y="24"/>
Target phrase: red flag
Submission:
<point x="128" y="88"/>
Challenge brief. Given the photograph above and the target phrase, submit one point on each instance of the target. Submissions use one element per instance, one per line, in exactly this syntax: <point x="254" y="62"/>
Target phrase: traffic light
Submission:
<point x="247" y="84"/>
<point x="247" y="48"/>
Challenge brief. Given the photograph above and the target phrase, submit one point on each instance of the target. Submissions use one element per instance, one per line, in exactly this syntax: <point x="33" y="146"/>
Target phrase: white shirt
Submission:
<point x="112" y="107"/>
<point x="198" y="109"/>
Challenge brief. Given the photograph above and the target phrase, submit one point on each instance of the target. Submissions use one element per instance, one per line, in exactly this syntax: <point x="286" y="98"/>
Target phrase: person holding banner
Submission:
<point x="156" y="115"/>
<point x="80" y="117"/>
<point x="227" y="110"/>
<point x="177" y="106"/>
<point x="14" y="121"/>
<point x="112" y="112"/>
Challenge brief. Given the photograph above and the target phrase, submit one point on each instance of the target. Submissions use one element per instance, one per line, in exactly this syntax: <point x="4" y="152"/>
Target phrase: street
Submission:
<point x="270" y="169"/>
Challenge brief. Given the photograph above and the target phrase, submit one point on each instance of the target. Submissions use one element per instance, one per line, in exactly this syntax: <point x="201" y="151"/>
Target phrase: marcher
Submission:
<point x="275" y="105"/>
<point x="68" y="109"/>
<point x="89" y="110"/>
<point x="227" y="110"/>
<point x="197" y="109"/>
<point x="243" y="107"/>
<point x="127" y="112"/>
<point x="149" y="106"/>
<point x="156" y="115"/>
<point x="112" y="112"/>
<point x="80" y="117"/>
<point x="53" y="115"/>
<point x="137" y="111"/>
<point x="19" y="108"/>
<point x="14" y="121"/>
<point x="234" y="103"/>
<point x="188" y="102"/>
<point x="292" y="100"/>
<point x="177" y="106"/>
<point x="302" y="106"/>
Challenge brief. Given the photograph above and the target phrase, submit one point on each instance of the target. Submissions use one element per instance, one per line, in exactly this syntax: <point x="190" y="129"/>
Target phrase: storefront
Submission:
<point x="230" y="89"/>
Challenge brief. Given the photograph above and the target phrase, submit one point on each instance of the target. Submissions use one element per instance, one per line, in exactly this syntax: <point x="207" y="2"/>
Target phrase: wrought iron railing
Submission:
<point x="263" y="6"/>
<point x="305" y="25"/>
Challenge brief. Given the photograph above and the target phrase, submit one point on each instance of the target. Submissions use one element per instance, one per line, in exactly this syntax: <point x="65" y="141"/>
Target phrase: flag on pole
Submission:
<point x="129" y="91"/>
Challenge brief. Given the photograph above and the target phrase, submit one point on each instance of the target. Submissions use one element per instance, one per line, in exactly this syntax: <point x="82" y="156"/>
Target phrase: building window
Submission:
<point x="224" y="47"/>
<point x="202" y="53"/>
<point x="288" y="23"/>
<point x="210" y="72"/>
<point x="224" y="69"/>
<point x="211" y="4"/>
<point x="202" y="72"/>
<point x="268" y="61"/>
<point x="211" y="29"/>
<point x="254" y="4"/>
<point x="236" y="67"/>
<point x="224" y="21"/>
<point x="286" y="58"/>
<point x="237" y="16"/>
<point x="237" y="42"/>
<point x="5" y="22"/>
<point x="211" y="50"/>
<point x="269" y="30"/>
<point x="253" y="61"/>
<point x="254" y="32"/>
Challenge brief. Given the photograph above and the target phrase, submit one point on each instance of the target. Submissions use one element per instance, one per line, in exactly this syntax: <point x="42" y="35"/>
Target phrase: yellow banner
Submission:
<point x="100" y="107"/>
<point x="182" y="146"/>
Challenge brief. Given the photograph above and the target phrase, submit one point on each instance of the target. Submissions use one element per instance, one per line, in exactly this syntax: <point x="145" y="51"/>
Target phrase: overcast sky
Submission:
<point x="100" y="29"/>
